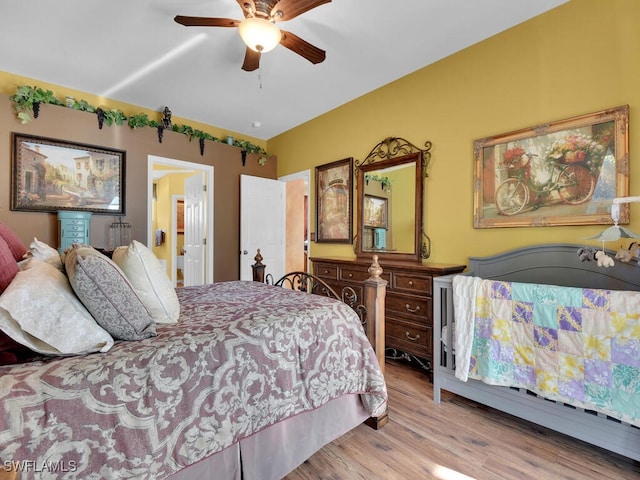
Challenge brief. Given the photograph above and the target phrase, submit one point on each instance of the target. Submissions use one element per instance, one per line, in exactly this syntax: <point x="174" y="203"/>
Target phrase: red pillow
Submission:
<point x="16" y="246"/>
<point x="13" y="352"/>
<point x="8" y="265"/>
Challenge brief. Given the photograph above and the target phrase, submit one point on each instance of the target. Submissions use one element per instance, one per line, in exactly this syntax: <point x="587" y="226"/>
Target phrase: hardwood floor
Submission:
<point x="456" y="440"/>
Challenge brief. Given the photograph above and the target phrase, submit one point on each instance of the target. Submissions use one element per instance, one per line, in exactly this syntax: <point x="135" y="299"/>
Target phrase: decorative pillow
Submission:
<point x="104" y="289"/>
<point x="40" y="310"/>
<point x="15" y="244"/>
<point x="150" y="280"/>
<point x="44" y="252"/>
<point x="8" y="265"/>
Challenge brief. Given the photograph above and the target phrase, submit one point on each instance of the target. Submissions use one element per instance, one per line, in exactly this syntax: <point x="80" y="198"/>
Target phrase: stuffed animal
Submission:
<point x="624" y="255"/>
<point x="603" y="259"/>
<point x="586" y="254"/>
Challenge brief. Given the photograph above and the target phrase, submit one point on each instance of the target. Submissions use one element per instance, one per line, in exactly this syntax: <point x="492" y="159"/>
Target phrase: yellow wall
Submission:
<point x="402" y="208"/>
<point x="579" y="58"/>
<point x="167" y="187"/>
<point x="163" y="219"/>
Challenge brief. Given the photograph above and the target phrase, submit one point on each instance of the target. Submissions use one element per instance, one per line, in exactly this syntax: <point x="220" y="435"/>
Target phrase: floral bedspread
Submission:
<point x="243" y="356"/>
<point x="578" y="346"/>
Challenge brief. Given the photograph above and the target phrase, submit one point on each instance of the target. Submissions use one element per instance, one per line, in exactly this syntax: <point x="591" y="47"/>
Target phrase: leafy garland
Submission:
<point x="384" y="180"/>
<point x="27" y="101"/>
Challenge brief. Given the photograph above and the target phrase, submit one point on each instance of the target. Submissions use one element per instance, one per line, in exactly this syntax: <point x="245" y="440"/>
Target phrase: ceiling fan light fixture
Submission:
<point x="259" y="35"/>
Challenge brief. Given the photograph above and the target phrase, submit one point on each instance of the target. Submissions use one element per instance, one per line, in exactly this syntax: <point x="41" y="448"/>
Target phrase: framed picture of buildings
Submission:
<point x="334" y="202"/>
<point x="49" y="175"/>
<point x="565" y="172"/>
<point x="375" y="211"/>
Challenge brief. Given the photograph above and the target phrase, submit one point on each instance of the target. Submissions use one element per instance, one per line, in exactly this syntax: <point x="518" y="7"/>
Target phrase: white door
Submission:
<point x="262" y="225"/>
<point x="194" y="230"/>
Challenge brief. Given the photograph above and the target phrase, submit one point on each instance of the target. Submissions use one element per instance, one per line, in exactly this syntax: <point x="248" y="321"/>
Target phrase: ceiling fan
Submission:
<point x="259" y="31"/>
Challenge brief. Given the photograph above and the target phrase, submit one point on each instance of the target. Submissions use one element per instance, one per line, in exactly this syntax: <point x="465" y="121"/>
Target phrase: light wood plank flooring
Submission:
<point x="456" y="440"/>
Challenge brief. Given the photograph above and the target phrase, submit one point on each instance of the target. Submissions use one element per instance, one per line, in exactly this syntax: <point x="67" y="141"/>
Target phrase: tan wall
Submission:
<point x="579" y="58"/>
<point x="66" y="124"/>
<point x="294" y="242"/>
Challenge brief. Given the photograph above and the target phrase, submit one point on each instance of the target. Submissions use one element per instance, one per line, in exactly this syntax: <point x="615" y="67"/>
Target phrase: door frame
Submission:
<point x="207" y="170"/>
<point x="306" y="176"/>
<point x="174" y="237"/>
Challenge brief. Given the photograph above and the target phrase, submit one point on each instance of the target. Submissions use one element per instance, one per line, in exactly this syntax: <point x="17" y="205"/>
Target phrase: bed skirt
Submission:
<point x="281" y="448"/>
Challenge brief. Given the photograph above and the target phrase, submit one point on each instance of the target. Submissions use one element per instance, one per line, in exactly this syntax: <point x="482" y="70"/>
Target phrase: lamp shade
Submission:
<point x="259" y="34"/>
<point x="614" y="233"/>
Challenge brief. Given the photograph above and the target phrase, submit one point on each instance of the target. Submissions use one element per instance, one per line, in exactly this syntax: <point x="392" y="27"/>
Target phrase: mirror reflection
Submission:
<point x="388" y="210"/>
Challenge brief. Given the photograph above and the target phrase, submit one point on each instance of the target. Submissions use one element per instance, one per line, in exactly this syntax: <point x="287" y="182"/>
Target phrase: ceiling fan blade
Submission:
<point x="292" y="8"/>
<point x="302" y="47"/>
<point x="206" y="22"/>
<point x="251" y="60"/>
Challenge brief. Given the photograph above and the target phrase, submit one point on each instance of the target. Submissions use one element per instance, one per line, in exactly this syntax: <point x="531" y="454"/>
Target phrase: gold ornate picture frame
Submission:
<point x="565" y="172"/>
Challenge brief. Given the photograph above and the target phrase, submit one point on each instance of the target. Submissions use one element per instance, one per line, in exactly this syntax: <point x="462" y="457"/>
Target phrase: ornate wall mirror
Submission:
<point x="390" y="199"/>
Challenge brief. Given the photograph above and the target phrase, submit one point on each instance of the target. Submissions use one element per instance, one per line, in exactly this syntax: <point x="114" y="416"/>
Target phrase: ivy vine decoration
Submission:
<point x="385" y="181"/>
<point x="110" y="117"/>
<point x="83" y="106"/>
<point x="27" y="100"/>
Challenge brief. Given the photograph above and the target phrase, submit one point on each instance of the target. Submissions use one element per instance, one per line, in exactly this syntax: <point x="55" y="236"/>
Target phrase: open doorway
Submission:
<point x="302" y="212"/>
<point x="165" y="181"/>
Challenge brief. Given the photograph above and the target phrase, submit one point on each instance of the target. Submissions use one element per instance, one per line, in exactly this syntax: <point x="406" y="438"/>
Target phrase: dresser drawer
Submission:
<point x="358" y="275"/>
<point x="408" y="337"/>
<point x="418" y="308"/>
<point x="419" y="285"/>
<point x="354" y="274"/>
<point x="74" y="221"/>
<point x="73" y="234"/>
<point x="326" y="271"/>
<point x="68" y="226"/>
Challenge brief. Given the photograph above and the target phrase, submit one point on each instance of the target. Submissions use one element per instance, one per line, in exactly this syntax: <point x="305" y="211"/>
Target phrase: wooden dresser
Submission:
<point x="408" y="310"/>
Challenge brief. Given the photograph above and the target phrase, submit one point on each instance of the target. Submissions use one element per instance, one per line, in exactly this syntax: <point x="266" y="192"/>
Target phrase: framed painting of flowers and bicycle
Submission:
<point x="562" y="173"/>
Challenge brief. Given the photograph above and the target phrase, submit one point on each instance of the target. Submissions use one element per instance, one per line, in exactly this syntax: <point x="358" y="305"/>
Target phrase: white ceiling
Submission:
<point x="133" y="51"/>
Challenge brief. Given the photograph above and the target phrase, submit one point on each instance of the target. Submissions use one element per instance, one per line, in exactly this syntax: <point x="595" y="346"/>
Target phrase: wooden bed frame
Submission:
<point x="556" y="264"/>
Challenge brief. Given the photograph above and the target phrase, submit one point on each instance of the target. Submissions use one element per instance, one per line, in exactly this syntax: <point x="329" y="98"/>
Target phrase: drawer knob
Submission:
<point x="413" y="339"/>
<point x="411" y="283"/>
<point x="412" y="310"/>
<point x="326" y="271"/>
<point x="350" y="275"/>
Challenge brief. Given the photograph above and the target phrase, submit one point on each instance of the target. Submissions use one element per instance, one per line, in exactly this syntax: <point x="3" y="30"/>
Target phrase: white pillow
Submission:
<point x="44" y="252"/>
<point x="40" y="310"/>
<point x="150" y="281"/>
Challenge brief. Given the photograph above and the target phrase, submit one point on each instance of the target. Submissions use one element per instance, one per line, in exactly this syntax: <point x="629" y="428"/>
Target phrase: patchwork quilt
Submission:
<point x="575" y="345"/>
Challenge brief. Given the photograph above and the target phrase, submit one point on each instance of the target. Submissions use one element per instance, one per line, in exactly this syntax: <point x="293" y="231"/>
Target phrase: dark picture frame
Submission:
<point x="48" y="175"/>
<point x="565" y="172"/>
<point x="334" y="202"/>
